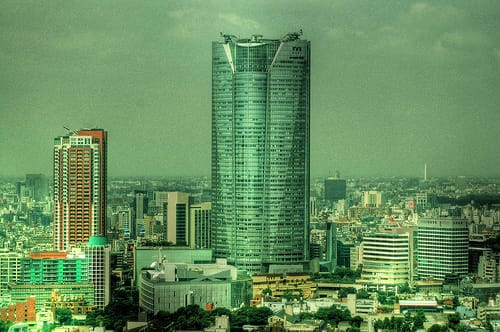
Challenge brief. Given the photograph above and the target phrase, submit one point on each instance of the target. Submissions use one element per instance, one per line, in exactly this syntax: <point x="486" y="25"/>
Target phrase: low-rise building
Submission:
<point x="293" y="284"/>
<point x="170" y="286"/>
<point x="282" y="322"/>
<point x="71" y="272"/>
<point x="21" y="311"/>
<point x="77" y="305"/>
<point x="221" y="325"/>
<point x="44" y="291"/>
<point x="143" y="257"/>
<point x="490" y="310"/>
<point x="489" y="266"/>
<point x="365" y="306"/>
<point x="415" y="305"/>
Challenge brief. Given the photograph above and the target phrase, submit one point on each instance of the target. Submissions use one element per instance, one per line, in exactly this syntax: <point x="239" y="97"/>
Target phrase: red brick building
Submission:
<point x="20" y="311"/>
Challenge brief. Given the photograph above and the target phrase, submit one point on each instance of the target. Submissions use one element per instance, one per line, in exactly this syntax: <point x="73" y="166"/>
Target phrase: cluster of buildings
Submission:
<point x="256" y="232"/>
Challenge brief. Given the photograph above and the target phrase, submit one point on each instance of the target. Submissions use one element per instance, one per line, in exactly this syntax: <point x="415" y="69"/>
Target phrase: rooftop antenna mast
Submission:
<point x="292" y="36"/>
<point x="228" y="38"/>
<point x="71" y="131"/>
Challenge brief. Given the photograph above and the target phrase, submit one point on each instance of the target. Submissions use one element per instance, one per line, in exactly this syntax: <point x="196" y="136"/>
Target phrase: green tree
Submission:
<point x="4" y="326"/>
<point x="220" y="312"/>
<point x="494" y="243"/>
<point x="122" y="308"/>
<point x="267" y="292"/>
<point x="398" y="323"/>
<point x="192" y="317"/>
<point x="47" y="327"/>
<point x="453" y="320"/>
<point x="419" y="320"/>
<point x="362" y="294"/>
<point x="382" y="297"/>
<point x="333" y="315"/>
<point x="95" y="318"/>
<point x="438" y="328"/>
<point x="161" y="320"/>
<point x="356" y="321"/>
<point x="381" y="324"/>
<point x="288" y="295"/>
<point x="407" y="323"/>
<point x="250" y="316"/>
<point x="353" y="329"/>
<point x="341" y="275"/>
<point x="346" y="290"/>
<point x="63" y="316"/>
<point x="305" y="315"/>
<point x="405" y="289"/>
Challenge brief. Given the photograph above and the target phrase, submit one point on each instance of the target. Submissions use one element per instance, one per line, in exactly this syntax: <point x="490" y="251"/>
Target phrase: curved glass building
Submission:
<point x="260" y="150"/>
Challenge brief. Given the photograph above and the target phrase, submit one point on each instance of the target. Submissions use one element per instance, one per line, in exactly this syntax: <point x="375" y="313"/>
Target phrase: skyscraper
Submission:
<point x="335" y="189"/>
<point x="443" y="247"/>
<point x="260" y="150"/>
<point x="140" y="205"/>
<point x="79" y="191"/>
<point x="178" y="218"/>
<point x="38" y="186"/>
<point x="200" y="225"/>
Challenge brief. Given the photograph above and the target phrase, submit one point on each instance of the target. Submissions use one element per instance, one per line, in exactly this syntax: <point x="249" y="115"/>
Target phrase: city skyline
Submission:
<point x="394" y="85"/>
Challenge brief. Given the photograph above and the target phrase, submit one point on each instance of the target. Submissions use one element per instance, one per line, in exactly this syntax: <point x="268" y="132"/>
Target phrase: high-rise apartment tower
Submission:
<point x="260" y="150"/>
<point x="79" y="191"/>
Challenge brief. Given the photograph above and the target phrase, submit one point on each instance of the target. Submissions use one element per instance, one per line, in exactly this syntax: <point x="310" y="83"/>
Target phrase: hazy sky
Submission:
<point x="395" y="84"/>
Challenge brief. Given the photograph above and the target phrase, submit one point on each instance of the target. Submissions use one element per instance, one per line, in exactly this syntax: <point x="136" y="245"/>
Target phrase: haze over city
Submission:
<point x="393" y="85"/>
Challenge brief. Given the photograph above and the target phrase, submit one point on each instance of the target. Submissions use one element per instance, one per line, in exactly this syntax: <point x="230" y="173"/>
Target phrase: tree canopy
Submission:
<point x="333" y="315"/>
<point x="64" y="316"/>
<point x="249" y="316"/>
<point x="346" y="290"/>
<point x="122" y="308"/>
<point x="438" y="328"/>
<point x="4" y="326"/>
<point x="193" y="317"/>
<point x="340" y="275"/>
<point x="408" y="323"/>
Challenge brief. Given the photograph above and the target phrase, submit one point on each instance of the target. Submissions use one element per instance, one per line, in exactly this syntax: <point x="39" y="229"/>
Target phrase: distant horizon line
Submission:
<point x="349" y="176"/>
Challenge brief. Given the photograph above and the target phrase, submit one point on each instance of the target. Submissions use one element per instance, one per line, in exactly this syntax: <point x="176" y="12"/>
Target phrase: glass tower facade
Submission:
<point x="260" y="150"/>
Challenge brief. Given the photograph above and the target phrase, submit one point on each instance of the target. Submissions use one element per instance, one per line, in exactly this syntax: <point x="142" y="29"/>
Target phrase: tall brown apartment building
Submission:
<point x="79" y="189"/>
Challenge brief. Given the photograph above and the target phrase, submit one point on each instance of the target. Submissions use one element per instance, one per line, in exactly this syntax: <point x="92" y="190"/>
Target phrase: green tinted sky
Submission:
<point x="395" y="84"/>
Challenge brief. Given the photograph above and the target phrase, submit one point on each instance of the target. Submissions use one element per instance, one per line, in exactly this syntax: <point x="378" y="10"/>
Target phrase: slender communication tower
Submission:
<point x="425" y="172"/>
